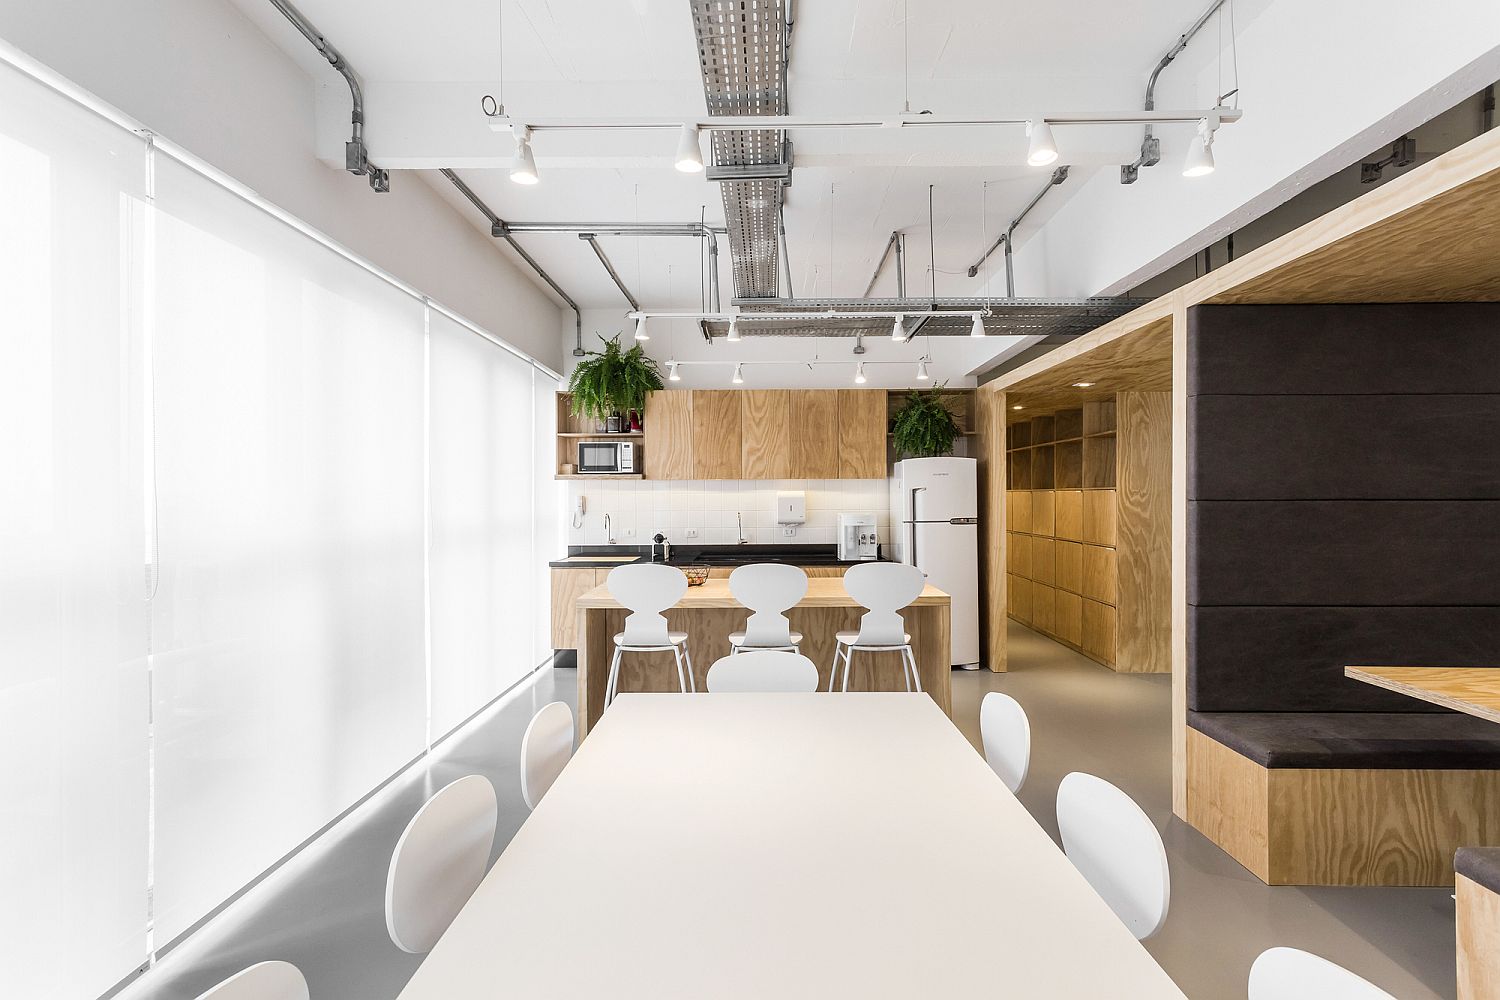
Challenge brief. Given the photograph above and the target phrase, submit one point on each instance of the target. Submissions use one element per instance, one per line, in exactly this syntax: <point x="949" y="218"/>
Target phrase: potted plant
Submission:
<point x="612" y="382"/>
<point x="924" y="426"/>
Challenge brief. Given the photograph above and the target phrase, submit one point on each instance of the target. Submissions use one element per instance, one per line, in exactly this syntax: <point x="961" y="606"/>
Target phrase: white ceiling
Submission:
<point x="849" y="189"/>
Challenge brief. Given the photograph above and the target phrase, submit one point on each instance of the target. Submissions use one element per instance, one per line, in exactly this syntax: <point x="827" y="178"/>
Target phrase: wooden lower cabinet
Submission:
<point x="569" y="584"/>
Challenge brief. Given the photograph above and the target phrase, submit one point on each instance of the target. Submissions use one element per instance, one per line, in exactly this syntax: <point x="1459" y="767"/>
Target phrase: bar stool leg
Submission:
<point x="613" y="683"/>
<point x="848" y="658"/>
<point x="911" y="657"/>
<point x="681" y="677"/>
<point x="688" y="656"/>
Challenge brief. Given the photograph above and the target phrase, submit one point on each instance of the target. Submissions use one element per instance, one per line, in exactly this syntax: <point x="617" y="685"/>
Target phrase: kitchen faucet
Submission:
<point x="739" y="519"/>
<point x="608" y="535"/>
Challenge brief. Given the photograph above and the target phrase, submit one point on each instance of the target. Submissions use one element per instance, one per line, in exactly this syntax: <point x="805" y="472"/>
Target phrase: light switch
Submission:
<point x="791" y="508"/>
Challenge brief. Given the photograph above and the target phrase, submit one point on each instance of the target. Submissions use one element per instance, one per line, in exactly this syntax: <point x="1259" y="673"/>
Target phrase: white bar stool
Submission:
<point x="883" y="589"/>
<point x="648" y="589"/>
<point x="763" y="670"/>
<point x="769" y="590"/>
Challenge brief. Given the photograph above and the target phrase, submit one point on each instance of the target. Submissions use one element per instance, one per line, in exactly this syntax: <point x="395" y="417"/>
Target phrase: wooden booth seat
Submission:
<point x="1478" y="923"/>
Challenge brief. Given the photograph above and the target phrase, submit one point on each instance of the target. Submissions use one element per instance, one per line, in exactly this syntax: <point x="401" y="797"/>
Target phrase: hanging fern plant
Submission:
<point x="924" y="426"/>
<point x="611" y="382"/>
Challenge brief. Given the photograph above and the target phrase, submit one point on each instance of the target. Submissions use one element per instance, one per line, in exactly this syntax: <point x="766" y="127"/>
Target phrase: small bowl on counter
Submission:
<point x="696" y="574"/>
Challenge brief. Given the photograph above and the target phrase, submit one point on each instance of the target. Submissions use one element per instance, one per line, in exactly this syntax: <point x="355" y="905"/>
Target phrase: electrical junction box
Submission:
<point x="791" y="508"/>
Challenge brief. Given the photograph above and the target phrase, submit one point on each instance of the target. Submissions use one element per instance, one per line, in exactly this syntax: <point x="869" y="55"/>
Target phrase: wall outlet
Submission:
<point x="629" y="532"/>
<point x="789" y="532"/>
<point x="690" y="533"/>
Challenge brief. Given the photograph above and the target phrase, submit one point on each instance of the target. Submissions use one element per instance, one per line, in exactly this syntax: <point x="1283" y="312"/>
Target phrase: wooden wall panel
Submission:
<point x="815" y="434"/>
<point x="1478" y="934"/>
<point x="717" y="445"/>
<point x="1043" y="608"/>
<point x="1020" y="599"/>
<point x="1098" y="573"/>
<point x="1020" y="503"/>
<point x="1043" y="560"/>
<point x="1069" y="514"/>
<point x="862" y="424"/>
<point x="766" y="431"/>
<point x="1099" y="631"/>
<point x="1226" y="802"/>
<point x="1098" y="517"/>
<point x="1070" y="566"/>
<point x="994" y="517"/>
<point x="1143" y="532"/>
<point x="1043" y="512"/>
<point x="669" y="435"/>
<point x="1068" y="613"/>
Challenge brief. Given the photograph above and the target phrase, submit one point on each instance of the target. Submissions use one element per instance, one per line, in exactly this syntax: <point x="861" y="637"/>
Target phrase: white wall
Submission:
<point x="781" y="362"/>
<point x="1321" y="85"/>
<point x="200" y="74"/>
<point x="692" y="513"/>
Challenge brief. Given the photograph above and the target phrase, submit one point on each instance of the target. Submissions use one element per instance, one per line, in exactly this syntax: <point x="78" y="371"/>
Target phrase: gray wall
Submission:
<point x="1343" y="499"/>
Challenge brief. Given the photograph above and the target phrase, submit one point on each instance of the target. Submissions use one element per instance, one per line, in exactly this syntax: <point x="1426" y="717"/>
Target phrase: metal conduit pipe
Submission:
<point x="885" y="255"/>
<point x="618" y="228"/>
<point x="613" y="274"/>
<point x="782" y="248"/>
<point x="901" y="265"/>
<point x="713" y="270"/>
<point x="499" y="230"/>
<point x="1151" y="146"/>
<point x="1006" y="238"/>
<point x="356" y="156"/>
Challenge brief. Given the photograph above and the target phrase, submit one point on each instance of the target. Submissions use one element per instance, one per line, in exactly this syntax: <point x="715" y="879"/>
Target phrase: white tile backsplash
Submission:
<point x="639" y="509"/>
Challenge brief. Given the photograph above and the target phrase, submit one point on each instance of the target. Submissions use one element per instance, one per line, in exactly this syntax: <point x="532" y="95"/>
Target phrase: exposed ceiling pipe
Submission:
<point x="1151" y="146"/>
<point x="356" y="155"/>
<point x="901" y="265"/>
<point x="1007" y="238"/>
<point x="500" y="231"/>
<point x="713" y="269"/>
<point x="786" y="260"/>
<point x="613" y="274"/>
<point x="617" y="228"/>
<point x="880" y="264"/>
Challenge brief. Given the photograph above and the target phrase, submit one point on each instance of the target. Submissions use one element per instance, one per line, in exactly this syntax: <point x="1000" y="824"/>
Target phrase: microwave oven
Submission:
<point x="608" y="457"/>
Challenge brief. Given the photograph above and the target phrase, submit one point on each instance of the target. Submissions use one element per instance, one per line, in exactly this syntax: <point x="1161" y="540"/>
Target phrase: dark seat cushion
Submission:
<point x="1395" y="740"/>
<point x="1481" y="864"/>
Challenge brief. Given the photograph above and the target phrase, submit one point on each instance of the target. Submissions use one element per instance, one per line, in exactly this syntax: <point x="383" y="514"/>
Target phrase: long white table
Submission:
<point x="718" y="847"/>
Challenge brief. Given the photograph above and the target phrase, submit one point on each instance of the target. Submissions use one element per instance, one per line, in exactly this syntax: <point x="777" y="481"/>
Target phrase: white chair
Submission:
<point x="1007" y="738"/>
<point x="648" y="589"/>
<point x="1290" y="974"/>
<point x="763" y="670"/>
<point x="1117" y="849"/>
<point x="545" y="750"/>
<point x="262" y="981"/>
<point x="439" y="862"/>
<point x="768" y="590"/>
<point x="883" y="589"/>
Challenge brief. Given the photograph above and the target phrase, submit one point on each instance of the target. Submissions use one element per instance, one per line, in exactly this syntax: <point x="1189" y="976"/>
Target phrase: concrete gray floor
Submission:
<point x="323" y="910"/>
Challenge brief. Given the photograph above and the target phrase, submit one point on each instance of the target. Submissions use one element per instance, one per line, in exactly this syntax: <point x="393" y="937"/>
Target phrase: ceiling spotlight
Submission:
<point x="689" y="155"/>
<point x="977" y="330"/>
<point x="1082" y="385"/>
<point x="672" y="375"/>
<point x="859" y="373"/>
<point x="1200" y="155"/>
<point x="898" y="330"/>
<point x="739" y="375"/>
<point x="1042" y="150"/>
<point x="733" y="336"/>
<point x="922" y="375"/>
<point x="524" y="169"/>
<point x="640" y="329"/>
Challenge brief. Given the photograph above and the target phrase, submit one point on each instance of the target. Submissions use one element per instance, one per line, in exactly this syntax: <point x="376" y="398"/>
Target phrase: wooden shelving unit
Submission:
<point x="571" y="430"/>
<point x="1060" y="526"/>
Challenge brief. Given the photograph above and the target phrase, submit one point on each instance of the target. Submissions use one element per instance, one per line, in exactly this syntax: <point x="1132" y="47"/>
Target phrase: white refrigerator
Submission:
<point x="935" y="527"/>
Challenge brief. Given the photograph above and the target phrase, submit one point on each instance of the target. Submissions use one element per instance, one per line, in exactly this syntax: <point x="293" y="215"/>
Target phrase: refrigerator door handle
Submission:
<point x="913" y="505"/>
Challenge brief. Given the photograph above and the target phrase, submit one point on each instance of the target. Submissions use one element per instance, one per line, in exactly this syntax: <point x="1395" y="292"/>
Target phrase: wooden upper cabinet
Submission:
<point x="716" y="434"/>
<point x="862" y="420"/>
<point x="766" y="430"/>
<point x="815" y="433"/>
<point x="669" y="435"/>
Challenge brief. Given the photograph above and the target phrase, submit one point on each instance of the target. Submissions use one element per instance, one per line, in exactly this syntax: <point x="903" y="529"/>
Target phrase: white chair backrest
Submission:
<point x="439" y="862"/>
<point x="263" y="981"/>
<point x="768" y="589"/>
<point x="1117" y="848"/>
<point x="647" y="589"/>
<point x="545" y="750"/>
<point x="763" y="670"/>
<point x="884" y="588"/>
<point x="1007" y="738"/>
<point x="1290" y="974"/>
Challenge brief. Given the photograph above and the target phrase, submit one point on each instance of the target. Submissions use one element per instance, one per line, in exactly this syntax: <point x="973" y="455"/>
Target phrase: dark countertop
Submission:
<point x="713" y="555"/>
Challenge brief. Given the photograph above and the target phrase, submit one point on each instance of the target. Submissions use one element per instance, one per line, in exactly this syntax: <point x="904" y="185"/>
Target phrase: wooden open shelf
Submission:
<point x="571" y="430"/>
<point x="1069" y="449"/>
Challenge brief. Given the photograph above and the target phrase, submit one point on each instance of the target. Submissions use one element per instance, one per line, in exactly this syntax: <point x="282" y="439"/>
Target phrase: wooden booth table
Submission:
<point x="1472" y="690"/>
<point x="709" y="613"/>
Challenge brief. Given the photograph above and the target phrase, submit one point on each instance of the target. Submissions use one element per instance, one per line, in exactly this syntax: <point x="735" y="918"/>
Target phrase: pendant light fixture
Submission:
<point x="689" y="154"/>
<point x="977" y="330"/>
<point x="922" y="375"/>
<point x="898" y="329"/>
<point x="640" y="329"/>
<point x="859" y="373"/>
<point x="523" y="171"/>
<point x="1200" y="155"/>
<point x="733" y="336"/>
<point x="672" y="375"/>
<point x="739" y="375"/>
<point x="1042" y="150"/>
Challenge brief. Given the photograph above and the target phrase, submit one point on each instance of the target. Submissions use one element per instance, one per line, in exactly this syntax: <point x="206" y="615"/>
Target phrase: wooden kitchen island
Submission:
<point x="709" y="613"/>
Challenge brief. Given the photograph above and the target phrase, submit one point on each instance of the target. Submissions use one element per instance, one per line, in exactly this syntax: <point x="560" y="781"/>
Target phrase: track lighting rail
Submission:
<point x="506" y="123"/>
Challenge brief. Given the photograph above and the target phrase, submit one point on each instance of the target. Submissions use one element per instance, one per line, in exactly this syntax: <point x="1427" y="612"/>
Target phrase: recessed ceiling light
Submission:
<point x="1018" y="406"/>
<point x="1082" y="385"/>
